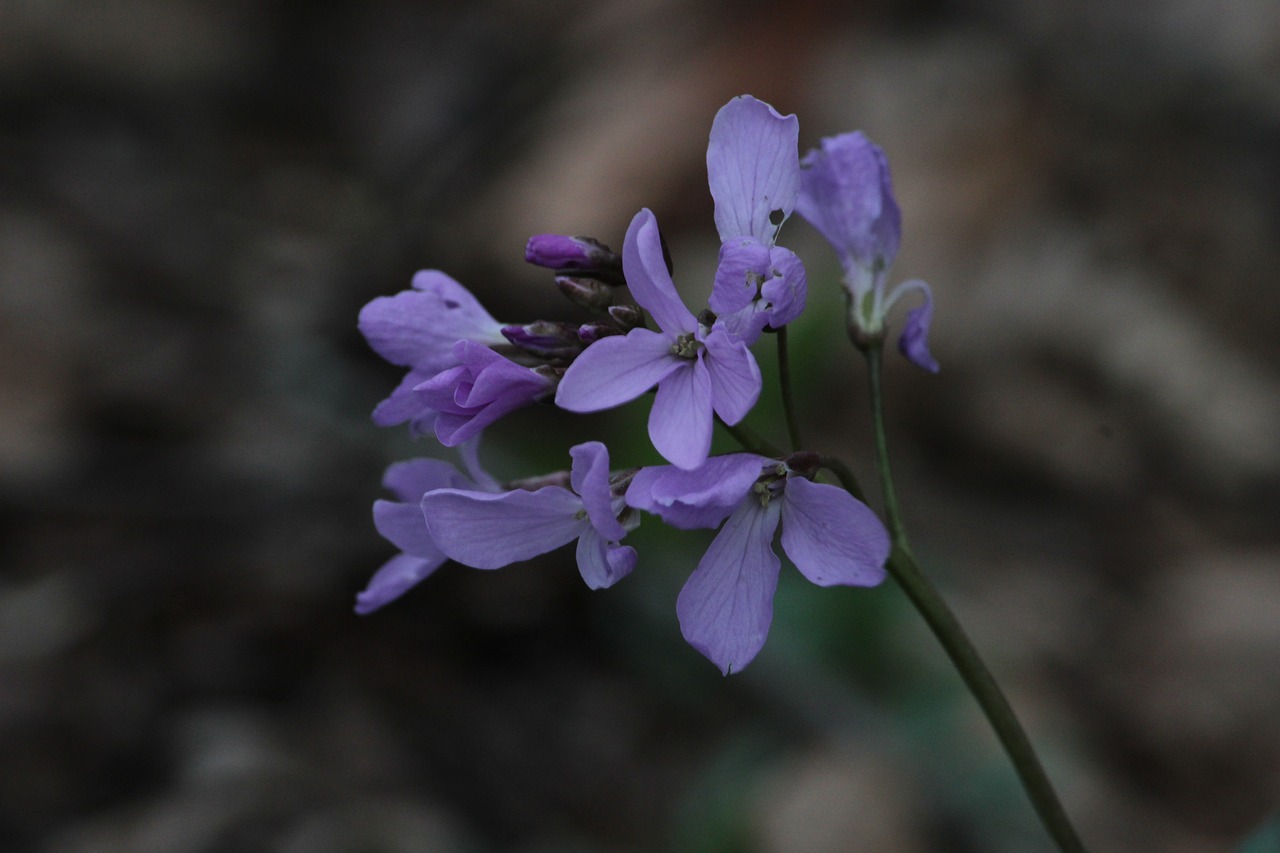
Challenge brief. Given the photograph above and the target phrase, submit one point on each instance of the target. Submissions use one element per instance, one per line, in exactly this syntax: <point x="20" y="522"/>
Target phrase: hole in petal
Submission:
<point x="776" y="218"/>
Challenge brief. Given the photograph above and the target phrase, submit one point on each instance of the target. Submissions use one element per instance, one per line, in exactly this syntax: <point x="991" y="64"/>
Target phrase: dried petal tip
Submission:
<point x="559" y="252"/>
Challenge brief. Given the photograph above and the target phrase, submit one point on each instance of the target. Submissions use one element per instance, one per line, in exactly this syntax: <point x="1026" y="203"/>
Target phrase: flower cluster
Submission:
<point x="466" y="370"/>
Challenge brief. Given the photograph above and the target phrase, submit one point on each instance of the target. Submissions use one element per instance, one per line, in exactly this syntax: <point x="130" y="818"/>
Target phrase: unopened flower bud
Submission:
<point x="626" y="316"/>
<point x="545" y="338"/>
<point x="588" y="293"/>
<point x="589" y="333"/>
<point x="559" y="252"/>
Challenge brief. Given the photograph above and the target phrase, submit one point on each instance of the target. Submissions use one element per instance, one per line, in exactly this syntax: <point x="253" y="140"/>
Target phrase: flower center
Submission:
<point x="686" y="346"/>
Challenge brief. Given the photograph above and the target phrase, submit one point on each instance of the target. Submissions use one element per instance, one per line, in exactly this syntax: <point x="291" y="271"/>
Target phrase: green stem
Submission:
<point x="902" y="565"/>
<point x="750" y="440"/>
<point x="784" y="382"/>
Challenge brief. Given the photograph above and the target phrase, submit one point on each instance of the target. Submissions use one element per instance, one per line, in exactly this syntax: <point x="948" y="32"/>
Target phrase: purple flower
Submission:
<point x="489" y="531"/>
<point x="417" y="329"/>
<point x="847" y="194"/>
<point x="401" y="523"/>
<point x="726" y="606"/>
<point x="698" y="370"/>
<point x="754" y="173"/>
<point x="483" y="387"/>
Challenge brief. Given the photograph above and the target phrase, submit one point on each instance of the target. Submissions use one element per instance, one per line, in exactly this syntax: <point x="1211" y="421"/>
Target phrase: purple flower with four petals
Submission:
<point x="754" y="172"/>
<point x="726" y="606"/>
<point x="488" y="531"/>
<point x="847" y="194"/>
<point x="698" y="370"/>
<point x="417" y="329"/>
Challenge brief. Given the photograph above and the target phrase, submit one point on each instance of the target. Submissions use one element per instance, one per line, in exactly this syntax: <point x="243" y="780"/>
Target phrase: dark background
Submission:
<point x="197" y="197"/>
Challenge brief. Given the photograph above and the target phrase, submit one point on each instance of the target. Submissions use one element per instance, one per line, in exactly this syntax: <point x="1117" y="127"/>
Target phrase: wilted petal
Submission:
<point x="832" y="537"/>
<point x="602" y="563"/>
<point x="914" y="340"/>
<point x="847" y="194"/>
<point x="680" y="421"/>
<point x="726" y="606"/>
<point x="647" y="277"/>
<point x="395" y="578"/>
<point x="488" y="531"/>
<point x="590" y="479"/>
<point x="735" y="376"/>
<point x="616" y="370"/>
<point x="753" y="168"/>
<point x="743" y="267"/>
<point x="699" y="498"/>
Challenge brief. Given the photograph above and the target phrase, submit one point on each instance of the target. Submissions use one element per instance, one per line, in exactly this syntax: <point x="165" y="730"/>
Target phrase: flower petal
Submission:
<point x="590" y="479"/>
<point x="616" y="370"/>
<point x="735" y="376"/>
<point x="832" y="537"/>
<point x="413" y="478"/>
<point x="726" y="606"/>
<point x="680" y="421"/>
<point x="753" y="168"/>
<point x="743" y="267"/>
<point x="404" y="405"/>
<point x="847" y="194"/>
<point x="402" y="525"/>
<point x="786" y="289"/>
<point x="645" y="268"/>
<point x="395" y="578"/>
<point x="914" y="340"/>
<point x="488" y="531"/>
<point x="699" y="498"/>
<point x="417" y="328"/>
<point x="602" y="563"/>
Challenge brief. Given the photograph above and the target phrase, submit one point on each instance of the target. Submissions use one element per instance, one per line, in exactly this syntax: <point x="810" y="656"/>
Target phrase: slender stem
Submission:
<point x="784" y="382"/>
<point x="902" y="565"/>
<point x="845" y="475"/>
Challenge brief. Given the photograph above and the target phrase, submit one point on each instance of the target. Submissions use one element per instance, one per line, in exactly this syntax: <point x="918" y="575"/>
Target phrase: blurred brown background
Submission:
<point x="197" y="197"/>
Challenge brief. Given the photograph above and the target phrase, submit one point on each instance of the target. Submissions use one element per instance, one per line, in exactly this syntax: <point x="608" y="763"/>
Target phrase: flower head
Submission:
<point x="698" y="370"/>
<point x="847" y="194"/>
<point x="483" y="387"/>
<point x="488" y="531"/>
<point x="417" y="329"/>
<point x="726" y="606"/>
<point x="754" y="173"/>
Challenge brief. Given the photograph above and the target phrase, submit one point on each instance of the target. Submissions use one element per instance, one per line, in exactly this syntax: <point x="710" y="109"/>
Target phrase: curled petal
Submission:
<point x="743" y="267"/>
<point x="680" y="421"/>
<point x="726" y="606"/>
<point x="735" y="376"/>
<point x="488" y="531"/>
<point x="832" y="537"/>
<point x="786" y="289"/>
<point x="914" y="340"/>
<point x="590" y="479"/>
<point x="395" y="578"/>
<point x="603" y="563"/>
<point x="753" y="168"/>
<point x="616" y="370"/>
<point x="650" y="283"/>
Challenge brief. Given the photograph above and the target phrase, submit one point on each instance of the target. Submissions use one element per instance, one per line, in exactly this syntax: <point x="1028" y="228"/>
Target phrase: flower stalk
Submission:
<point x="946" y="628"/>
